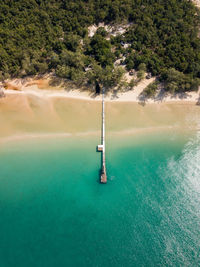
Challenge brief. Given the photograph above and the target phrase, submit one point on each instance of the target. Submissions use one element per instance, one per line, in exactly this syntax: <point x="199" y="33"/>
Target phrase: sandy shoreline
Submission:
<point x="26" y="116"/>
<point x="37" y="111"/>
<point x="42" y="88"/>
<point x="130" y="96"/>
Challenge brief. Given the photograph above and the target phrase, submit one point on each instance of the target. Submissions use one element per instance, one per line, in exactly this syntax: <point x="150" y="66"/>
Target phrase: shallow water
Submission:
<point x="22" y="114"/>
<point x="54" y="212"/>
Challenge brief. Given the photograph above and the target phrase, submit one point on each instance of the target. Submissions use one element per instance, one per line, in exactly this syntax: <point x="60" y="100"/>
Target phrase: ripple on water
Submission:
<point x="183" y="213"/>
<point x="54" y="210"/>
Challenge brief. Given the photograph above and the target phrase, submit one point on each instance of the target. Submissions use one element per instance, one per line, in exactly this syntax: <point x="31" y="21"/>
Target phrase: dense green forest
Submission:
<point x="41" y="36"/>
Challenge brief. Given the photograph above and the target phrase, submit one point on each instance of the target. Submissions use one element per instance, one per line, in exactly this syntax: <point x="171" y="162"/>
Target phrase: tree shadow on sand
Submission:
<point x="55" y="81"/>
<point x="162" y="94"/>
<point x="198" y="101"/>
<point x="114" y="95"/>
<point x="60" y="82"/>
<point x="159" y="97"/>
<point x="69" y="86"/>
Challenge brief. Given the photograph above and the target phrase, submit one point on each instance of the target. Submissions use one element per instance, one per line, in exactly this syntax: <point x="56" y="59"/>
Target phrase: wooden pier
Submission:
<point x="101" y="147"/>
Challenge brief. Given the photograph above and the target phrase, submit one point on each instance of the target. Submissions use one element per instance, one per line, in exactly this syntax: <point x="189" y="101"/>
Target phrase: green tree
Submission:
<point x="151" y="89"/>
<point x="100" y="49"/>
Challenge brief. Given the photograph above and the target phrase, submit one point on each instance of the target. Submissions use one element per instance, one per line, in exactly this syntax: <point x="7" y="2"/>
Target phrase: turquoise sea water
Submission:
<point x="54" y="212"/>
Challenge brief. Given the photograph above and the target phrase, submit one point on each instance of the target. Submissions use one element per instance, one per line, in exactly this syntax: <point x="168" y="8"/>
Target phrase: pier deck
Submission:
<point x="103" y="179"/>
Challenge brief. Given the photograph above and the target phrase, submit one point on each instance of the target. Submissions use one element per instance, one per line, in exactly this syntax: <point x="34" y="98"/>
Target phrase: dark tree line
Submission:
<point x="39" y="36"/>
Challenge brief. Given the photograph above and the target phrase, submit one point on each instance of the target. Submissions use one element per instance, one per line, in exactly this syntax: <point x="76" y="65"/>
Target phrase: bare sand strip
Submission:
<point x="40" y="88"/>
<point x="29" y="116"/>
<point x="34" y="109"/>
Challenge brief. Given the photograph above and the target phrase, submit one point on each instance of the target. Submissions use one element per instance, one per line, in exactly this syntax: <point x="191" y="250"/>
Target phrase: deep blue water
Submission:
<point x="54" y="212"/>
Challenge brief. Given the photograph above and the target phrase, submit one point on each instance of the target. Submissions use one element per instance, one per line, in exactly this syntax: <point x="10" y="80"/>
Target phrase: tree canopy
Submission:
<point x="40" y="36"/>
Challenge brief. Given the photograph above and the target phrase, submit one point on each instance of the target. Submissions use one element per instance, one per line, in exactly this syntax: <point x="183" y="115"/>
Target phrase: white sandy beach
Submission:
<point x="35" y="110"/>
<point x="41" y="88"/>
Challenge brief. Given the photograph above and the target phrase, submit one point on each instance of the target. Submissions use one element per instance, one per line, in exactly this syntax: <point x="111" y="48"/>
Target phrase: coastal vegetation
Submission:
<point x="161" y="38"/>
<point x="150" y="90"/>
